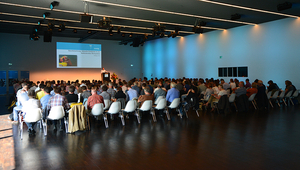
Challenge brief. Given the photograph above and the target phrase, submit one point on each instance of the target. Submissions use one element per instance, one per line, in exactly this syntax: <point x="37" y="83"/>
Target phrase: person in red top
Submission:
<point x="94" y="99"/>
<point x="252" y="90"/>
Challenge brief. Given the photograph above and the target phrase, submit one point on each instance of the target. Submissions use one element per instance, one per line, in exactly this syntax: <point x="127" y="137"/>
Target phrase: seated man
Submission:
<point x="22" y="98"/>
<point x="58" y="100"/>
<point x="71" y="97"/>
<point x="110" y="90"/>
<point x="41" y="93"/>
<point x="94" y="99"/>
<point x="241" y="90"/>
<point x="104" y="94"/>
<point x="159" y="92"/>
<point x="44" y="101"/>
<point x="131" y="92"/>
<point x="28" y="106"/>
<point x="85" y="94"/>
<point x="172" y="93"/>
<point x="147" y="96"/>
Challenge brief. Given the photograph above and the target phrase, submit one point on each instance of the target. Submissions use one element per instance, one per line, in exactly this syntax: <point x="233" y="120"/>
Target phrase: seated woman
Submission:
<point x="208" y="91"/>
<point x="119" y="94"/>
<point x="252" y="90"/>
<point x="28" y="106"/>
<point x="215" y="97"/>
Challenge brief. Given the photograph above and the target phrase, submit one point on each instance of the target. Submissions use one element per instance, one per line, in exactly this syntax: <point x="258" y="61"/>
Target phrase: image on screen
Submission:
<point x="78" y="55"/>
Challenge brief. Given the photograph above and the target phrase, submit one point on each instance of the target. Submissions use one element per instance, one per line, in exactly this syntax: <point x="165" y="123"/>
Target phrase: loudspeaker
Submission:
<point x="47" y="36"/>
<point x="86" y="18"/>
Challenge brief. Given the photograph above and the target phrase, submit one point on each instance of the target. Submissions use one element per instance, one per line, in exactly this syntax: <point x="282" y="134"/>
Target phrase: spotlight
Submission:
<point x="61" y="27"/>
<point x="46" y="14"/>
<point x="170" y="35"/>
<point x="110" y="31"/>
<point x="75" y="30"/>
<point x="54" y="4"/>
<point x="235" y="16"/>
<point x="40" y="22"/>
<point x="89" y="31"/>
<point x="153" y="33"/>
<point x="130" y="35"/>
<point x="123" y="34"/>
<point x="284" y="6"/>
<point x="104" y="23"/>
<point x="34" y="36"/>
<point x="119" y="30"/>
<point x="162" y="35"/>
<point x="50" y="26"/>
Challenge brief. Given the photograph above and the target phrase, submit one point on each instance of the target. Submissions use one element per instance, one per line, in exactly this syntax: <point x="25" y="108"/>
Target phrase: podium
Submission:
<point x="106" y="76"/>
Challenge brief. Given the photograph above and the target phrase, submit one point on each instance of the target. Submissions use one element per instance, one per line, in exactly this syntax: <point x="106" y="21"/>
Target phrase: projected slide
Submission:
<point x="78" y="55"/>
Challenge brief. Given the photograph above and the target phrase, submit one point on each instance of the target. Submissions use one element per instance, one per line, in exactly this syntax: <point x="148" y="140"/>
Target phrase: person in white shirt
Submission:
<point x="28" y="107"/>
<point x="232" y="84"/>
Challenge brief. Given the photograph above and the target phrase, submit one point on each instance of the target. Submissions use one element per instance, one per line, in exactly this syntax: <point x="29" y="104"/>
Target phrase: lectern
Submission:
<point x="106" y="76"/>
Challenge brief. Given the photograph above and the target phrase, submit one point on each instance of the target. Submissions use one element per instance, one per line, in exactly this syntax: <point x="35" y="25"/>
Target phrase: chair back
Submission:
<point x="161" y="104"/>
<point x="206" y="98"/>
<point x="269" y="94"/>
<point x="289" y="94"/>
<point x="232" y="98"/>
<point x="275" y="95"/>
<point x="296" y="93"/>
<point x="56" y="112"/>
<point x="147" y="105"/>
<point x="34" y="115"/>
<point x="175" y="103"/>
<point x="107" y="104"/>
<point x="97" y="109"/>
<point x="135" y="98"/>
<point x="158" y="99"/>
<point x="122" y="101"/>
<point x="114" y="108"/>
<point x="130" y="106"/>
<point x="251" y="98"/>
<point x="281" y="94"/>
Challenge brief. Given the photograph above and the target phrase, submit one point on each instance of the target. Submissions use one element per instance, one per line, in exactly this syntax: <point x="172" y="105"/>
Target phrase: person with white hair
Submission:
<point x="172" y="93"/>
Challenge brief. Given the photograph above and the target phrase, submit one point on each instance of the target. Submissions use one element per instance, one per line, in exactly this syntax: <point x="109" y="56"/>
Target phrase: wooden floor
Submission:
<point x="255" y="140"/>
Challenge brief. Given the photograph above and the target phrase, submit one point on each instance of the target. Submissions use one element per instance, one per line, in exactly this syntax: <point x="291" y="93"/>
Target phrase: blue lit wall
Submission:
<point x="270" y="50"/>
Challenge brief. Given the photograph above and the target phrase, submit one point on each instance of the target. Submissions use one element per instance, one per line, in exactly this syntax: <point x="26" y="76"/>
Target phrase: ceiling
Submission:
<point x="125" y="17"/>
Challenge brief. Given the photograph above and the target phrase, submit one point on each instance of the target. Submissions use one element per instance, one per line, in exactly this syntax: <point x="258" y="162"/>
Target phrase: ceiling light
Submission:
<point x="75" y="30"/>
<point x="46" y="14"/>
<point x="162" y="35"/>
<point x="125" y="18"/>
<point x="168" y="12"/>
<point x="61" y="27"/>
<point x="89" y="31"/>
<point x="123" y="35"/>
<point x="247" y="8"/>
<point x="130" y="35"/>
<point x="110" y="31"/>
<point x="119" y="30"/>
<point x="54" y="4"/>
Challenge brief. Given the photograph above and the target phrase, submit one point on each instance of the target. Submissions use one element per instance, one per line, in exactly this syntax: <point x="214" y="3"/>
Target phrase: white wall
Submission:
<point x="39" y="58"/>
<point x="270" y="50"/>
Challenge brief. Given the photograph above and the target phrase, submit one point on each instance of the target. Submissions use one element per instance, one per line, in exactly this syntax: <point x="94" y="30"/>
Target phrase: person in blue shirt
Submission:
<point x="172" y="93"/>
<point x="131" y="93"/>
<point x="44" y="100"/>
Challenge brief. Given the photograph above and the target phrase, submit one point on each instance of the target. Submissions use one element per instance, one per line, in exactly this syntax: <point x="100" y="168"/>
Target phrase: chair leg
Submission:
<point x="284" y="102"/>
<point x="153" y="115"/>
<point x="21" y="130"/>
<point x="253" y="105"/>
<point x="105" y="120"/>
<point x="278" y="102"/>
<point x="235" y="107"/>
<point x="271" y="103"/>
<point x="292" y="101"/>
<point x="66" y="125"/>
<point x="137" y="117"/>
<point x="45" y="127"/>
<point x="197" y="113"/>
<point x="89" y="122"/>
<point x="122" y="119"/>
<point x="167" y="113"/>
<point x="186" y="113"/>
